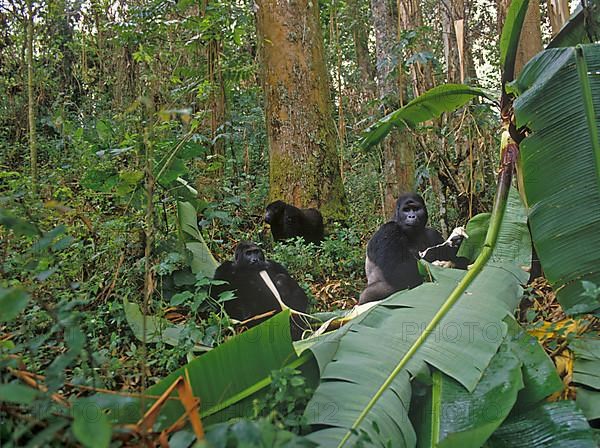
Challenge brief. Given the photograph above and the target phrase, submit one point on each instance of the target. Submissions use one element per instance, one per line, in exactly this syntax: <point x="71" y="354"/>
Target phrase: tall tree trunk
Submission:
<point x="31" y="106"/>
<point x="304" y="167"/>
<point x="398" y="151"/>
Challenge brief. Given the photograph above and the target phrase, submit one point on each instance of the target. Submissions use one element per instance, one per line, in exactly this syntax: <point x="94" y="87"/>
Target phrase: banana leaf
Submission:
<point x="586" y="374"/>
<point x="451" y="416"/>
<point x="514" y="242"/>
<point x="551" y="425"/>
<point x="226" y="379"/>
<point x="431" y="104"/>
<point x="509" y="40"/>
<point x="558" y="96"/>
<point x="519" y="375"/>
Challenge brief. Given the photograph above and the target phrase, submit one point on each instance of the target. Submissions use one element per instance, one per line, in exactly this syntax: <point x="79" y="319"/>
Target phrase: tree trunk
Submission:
<point x="398" y="151"/>
<point x="558" y="12"/>
<point x="410" y="18"/>
<point x="31" y="107"/>
<point x="304" y="167"/>
<point x="453" y="26"/>
<point x="360" y="33"/>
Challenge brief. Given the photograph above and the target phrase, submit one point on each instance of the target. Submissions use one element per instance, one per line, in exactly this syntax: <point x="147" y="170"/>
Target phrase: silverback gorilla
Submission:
<point x="253" y="296"/>
<point x="392" y="253"/>
<point x="287" y="221"/>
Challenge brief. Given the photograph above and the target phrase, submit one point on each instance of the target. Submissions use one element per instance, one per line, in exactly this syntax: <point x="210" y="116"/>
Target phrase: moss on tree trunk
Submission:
<point x="304" y="168"/>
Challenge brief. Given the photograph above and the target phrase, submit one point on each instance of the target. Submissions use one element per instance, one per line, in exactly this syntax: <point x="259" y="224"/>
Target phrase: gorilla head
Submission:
<point x="411" y="213"/>
<point x="248" y="254"/>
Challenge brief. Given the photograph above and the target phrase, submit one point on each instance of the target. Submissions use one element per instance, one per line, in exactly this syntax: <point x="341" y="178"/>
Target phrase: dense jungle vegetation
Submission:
<point x="140" y="142"/>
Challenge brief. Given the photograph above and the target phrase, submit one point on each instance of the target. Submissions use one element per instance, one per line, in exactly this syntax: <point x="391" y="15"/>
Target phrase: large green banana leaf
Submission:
<point x="355" y="361"/>
<point x="514" y="242"/>
<point x="558" y="101"/>
<point x="226" y="379"/>
<point x="430" y="105"/>
<point x="519" y="375"/>
<point x="586" y="374"/>
<point x="462" y="347"/>
<point x="549" y="425"/>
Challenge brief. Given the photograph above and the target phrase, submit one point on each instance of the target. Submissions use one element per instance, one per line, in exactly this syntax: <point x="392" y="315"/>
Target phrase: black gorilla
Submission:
<point x="253" y="296"/>
<point x="287" y="221"/>
<point x="392" y="253"/>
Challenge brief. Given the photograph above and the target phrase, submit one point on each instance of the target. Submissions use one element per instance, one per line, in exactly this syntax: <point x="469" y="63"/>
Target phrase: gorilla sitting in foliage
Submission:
<point x="287" y="221"/>
<point x="254" y="295"/>
<point x="393" y="251"/>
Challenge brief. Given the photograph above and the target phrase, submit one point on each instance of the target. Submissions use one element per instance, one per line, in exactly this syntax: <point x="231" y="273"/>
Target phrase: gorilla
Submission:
<point x="393" y="251"/>
<point x="287" y="221"/>
<point x="253" y="295"/>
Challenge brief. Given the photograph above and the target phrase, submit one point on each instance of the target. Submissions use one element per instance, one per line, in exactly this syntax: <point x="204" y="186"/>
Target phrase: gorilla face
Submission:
<point x="411" y="214"/>
<point x="248" y="254"/>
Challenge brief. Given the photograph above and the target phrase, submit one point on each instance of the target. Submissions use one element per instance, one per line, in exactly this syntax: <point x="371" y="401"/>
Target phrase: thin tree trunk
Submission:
<point x="149" y="237"/>
<point x="558" y="12"/>
<point x="360" y="34"/>
<point x="31" y="106"/>
<point x="410" y="18"/>
<point x="304" y="168"/>
<point x="217" y="98"/>
<point x="453" y="19"/>
<point x="398" y="152"/>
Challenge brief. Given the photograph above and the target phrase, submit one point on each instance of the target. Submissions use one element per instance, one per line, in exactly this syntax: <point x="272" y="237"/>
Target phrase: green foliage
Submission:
<point x="340" y="257"/>
<point x="285" y="400"/>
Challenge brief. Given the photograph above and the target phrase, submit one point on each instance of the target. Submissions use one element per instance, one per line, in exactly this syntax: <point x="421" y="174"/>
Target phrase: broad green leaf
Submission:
<point x="131" y="177"/>
<point x="560" y="167"/>
<point x="253" y="434"/>
<point x="17" y="393"/>
<point x="226" y="379"/>
<point x="176" y="168"/>
<point x="431" y="104"/>
<point x="188" y="220"/>
<point x="157" y="328"/>
<point x="514" y="241"/>
<point x="539" y="373"/>
<point x="476" y="228"/>
<point x="104" y="130"/>
<point x="202" y="260"/>
<point x="509" y="40"/>
<point x="586" y="374"/>
<point x="91" y="425"/>
<point x="451" y="416"/>
<point x="551" y="425"/>
<point x="12" y="302"/>
<point x="588" y="401"/>
<point x="462" y="347"/>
